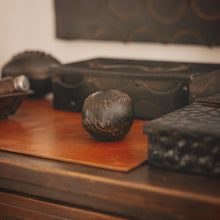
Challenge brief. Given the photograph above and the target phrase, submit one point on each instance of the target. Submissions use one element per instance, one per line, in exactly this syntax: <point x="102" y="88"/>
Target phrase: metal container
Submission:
<point x="156" y="88"/>
<point x="186" y="140"/>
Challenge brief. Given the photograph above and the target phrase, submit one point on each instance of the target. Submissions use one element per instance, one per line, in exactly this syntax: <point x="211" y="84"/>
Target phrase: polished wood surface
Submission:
<point x="140" y="194"/>
<point x="38" y="130"/>
<point x="37" y="187"/>
<point x="15" y="207"/>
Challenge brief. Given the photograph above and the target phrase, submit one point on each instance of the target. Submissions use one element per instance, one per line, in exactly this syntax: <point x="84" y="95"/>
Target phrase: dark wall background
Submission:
<point x="166" y="21"/>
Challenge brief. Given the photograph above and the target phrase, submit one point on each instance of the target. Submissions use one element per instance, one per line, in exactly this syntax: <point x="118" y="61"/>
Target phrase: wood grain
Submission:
<point x="18" y="207"/>
<point x="39" y="130"/>
<point x="143" y="193"/>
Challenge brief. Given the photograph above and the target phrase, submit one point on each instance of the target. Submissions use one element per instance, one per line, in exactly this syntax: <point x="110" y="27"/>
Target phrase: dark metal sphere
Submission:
<point x="108" y="114"/>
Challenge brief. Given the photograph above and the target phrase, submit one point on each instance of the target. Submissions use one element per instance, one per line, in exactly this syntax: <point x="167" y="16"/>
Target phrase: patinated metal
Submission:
<point x="35" y="66"/>
<point x="17" y="84"/>
<point x="186" y="140"/>
<point x="108" y="115"/>
<point x="156" y="88"/>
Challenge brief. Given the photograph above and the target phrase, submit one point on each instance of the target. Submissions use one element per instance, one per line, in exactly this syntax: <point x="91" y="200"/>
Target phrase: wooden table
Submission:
<point x="35" y="186"/>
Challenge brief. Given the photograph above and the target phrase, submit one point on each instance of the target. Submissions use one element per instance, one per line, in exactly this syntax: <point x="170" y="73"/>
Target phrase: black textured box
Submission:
<point x="213" y="101"/>
<point x="186" y="140"/>
<point x="155" y="87"/>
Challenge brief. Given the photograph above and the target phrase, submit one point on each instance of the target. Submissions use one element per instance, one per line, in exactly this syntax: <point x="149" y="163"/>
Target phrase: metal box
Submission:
<point x="187" y="139"/>
<point x="156" y="88"/>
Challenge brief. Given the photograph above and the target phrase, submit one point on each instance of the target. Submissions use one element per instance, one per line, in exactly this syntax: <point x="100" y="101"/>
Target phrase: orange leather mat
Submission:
<point x="37" y="129"/>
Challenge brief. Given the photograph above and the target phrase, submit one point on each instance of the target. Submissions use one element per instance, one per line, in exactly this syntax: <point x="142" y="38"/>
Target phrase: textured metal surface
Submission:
<point x="186" y="140"/>
<point x="155" y="87"/>
<point x="108" y="115"/>
<point x="167" y="21"/>
<point x="213" y="101"/>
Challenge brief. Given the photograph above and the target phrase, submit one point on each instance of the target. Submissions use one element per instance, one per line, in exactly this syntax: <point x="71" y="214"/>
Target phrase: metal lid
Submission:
<point x="21" y="83"/>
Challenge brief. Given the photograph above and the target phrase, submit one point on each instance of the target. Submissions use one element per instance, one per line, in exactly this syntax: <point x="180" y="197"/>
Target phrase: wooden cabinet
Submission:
<point x="33" y="187"/>
<point x="16" y="207"/>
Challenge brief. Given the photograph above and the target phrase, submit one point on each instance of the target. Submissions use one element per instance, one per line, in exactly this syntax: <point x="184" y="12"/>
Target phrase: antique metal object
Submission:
<point x="9" y="103"/>
<point x="35" y="66"/>
<point x="17" y="84"/>
<point x="156" y="88"/>
<point x="194" y="22"/>
<point x="108" y="115"/>
<point x="186" y="140"/>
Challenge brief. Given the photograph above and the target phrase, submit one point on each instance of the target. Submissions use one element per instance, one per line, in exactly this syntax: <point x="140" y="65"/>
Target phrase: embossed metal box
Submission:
<point x="187" y="139"/>
<point x="155" y="87"/>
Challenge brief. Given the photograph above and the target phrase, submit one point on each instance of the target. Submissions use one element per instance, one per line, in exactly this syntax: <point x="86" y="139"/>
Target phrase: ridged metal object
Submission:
<point x="35" y="66"/>
<point x="108" y="114"/>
